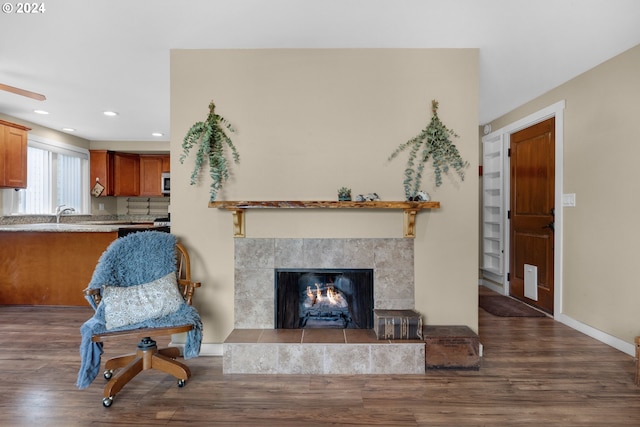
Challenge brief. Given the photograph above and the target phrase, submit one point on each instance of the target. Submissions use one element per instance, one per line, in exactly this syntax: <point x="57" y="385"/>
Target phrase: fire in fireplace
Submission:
<point x="324" y="298"/>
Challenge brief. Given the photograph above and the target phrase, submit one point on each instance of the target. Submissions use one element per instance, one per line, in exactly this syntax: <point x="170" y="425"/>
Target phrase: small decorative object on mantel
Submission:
<point x="210" y="136"/>
<point x="421" y="196"/>
<point x="344" y="194"/>
<point x="371" y="197"/>
<point x="435" y="141"/>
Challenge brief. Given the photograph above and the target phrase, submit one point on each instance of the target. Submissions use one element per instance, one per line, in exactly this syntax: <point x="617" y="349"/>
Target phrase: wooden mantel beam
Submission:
<point x="410" y="209"/>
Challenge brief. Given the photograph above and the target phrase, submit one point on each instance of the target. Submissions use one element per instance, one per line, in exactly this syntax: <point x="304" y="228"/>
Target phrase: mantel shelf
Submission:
<point x="238" y="207"/>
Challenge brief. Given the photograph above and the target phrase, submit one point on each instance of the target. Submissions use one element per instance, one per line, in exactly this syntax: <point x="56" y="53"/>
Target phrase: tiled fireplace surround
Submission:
<point x="256" y="347"/>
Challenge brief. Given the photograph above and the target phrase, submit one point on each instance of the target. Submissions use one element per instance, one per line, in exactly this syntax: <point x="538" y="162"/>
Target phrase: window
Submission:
<point x="57" y="174"/>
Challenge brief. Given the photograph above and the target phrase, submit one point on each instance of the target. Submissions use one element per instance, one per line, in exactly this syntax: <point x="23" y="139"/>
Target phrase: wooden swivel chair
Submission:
<point x="147" y="356"/>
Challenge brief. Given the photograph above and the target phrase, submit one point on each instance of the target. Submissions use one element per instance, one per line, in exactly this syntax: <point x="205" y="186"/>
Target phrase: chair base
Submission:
<point x="148" y="356"/>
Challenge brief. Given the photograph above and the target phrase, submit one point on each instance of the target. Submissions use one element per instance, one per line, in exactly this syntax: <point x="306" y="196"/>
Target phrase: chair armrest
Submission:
<point x="188" y="288"/>
<point x="95" y="295"/>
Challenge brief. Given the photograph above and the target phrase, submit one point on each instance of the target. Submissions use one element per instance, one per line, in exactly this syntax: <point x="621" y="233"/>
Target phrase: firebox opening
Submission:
<point x="324" y="298"/>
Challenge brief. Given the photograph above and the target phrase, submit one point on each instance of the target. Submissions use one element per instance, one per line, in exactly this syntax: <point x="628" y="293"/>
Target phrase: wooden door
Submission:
<point x="532" y="158"/>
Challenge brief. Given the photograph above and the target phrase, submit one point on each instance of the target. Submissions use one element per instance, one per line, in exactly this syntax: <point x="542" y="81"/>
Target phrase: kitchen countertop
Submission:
<point x="79" y="227"/>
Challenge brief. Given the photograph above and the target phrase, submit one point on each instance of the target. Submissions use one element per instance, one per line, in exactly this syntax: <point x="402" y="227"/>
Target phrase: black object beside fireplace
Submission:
<point x="324" y="298"/>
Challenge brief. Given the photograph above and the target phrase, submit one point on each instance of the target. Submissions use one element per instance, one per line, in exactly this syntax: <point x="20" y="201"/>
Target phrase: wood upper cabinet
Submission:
<point x="151" y="168"/>
<point x="126" y="172"/>
<point x="101" y="166"/>
<point x="13" y="155"/>
<point x="119" y="173"/>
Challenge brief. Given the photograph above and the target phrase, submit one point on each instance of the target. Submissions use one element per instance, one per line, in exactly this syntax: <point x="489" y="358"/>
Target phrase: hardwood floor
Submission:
<point x="534" y="372"/>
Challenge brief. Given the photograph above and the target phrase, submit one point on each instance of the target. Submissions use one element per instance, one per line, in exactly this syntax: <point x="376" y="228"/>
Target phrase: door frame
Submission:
<point x="555" y="110"/>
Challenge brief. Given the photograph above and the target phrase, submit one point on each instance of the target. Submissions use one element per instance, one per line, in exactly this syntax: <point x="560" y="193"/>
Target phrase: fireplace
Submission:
<point x="258" y="345"/>
<point x="257" y="259"/>
<point x="324" y="298"/>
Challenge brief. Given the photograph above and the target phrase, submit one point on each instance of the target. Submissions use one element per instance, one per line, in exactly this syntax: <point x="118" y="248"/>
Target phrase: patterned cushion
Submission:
<point x="134" y="304"/>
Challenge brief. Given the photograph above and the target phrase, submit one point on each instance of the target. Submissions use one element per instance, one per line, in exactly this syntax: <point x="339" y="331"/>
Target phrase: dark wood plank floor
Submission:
<point x="535" y="372"/>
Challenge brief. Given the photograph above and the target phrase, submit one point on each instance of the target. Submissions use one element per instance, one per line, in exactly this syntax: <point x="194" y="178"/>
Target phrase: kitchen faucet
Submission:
<point x="62" y="209"/>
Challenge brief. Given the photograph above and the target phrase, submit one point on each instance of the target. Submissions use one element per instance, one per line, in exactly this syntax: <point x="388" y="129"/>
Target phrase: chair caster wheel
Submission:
<point x="107" y="375"/>
<point x="181" y="383"/>
<point x="107" y="401"/>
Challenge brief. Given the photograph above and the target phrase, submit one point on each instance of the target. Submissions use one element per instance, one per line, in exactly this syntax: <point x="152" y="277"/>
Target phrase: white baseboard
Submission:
<point x="603" y="337"/>
<point x="205" y="349"/>
<point x="597" y="334"/>
<point x="211" y="350"/>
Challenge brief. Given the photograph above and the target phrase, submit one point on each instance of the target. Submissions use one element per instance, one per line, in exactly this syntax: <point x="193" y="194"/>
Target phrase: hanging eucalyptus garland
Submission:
<point x="210" y="136"/>
<point x="435" y="142"/>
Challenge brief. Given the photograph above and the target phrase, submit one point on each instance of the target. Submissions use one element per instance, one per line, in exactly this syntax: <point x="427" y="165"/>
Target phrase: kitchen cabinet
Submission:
<point x="151" y="168"/>
<point x="13" y="155"/>
<point x="126" y="169"/>
<point x="101" y="166"/>
<point x="119" y="173"/>
<point x="49" y="268"/>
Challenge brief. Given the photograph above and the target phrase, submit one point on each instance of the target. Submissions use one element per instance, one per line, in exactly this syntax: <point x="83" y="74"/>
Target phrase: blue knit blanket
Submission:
<point x="133" y="260"/>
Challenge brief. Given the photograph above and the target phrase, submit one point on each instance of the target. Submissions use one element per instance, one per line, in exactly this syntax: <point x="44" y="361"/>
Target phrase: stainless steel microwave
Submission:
<point x="165" y="185"/>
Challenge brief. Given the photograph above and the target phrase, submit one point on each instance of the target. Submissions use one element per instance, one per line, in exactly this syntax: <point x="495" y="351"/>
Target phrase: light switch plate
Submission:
<point x="569" y="200"/>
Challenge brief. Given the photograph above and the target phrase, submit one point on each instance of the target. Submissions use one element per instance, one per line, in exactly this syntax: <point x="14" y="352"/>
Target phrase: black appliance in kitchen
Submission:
<point x="159" y="224"/>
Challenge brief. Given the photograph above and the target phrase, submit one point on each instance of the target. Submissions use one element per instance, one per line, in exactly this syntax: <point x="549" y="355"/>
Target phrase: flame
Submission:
<point x="331" y="294"/>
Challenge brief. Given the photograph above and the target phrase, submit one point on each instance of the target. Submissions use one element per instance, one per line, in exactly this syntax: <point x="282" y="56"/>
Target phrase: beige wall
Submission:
<point x="601" y="151"/>
<point x="309" y="122"/>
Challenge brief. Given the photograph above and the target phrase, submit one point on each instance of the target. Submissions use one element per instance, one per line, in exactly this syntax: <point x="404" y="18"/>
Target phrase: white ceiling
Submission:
<point x="88" y="57"/>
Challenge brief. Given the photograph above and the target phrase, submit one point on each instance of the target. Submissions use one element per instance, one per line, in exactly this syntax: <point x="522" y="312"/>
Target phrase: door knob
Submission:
<point x="551" y="225"/>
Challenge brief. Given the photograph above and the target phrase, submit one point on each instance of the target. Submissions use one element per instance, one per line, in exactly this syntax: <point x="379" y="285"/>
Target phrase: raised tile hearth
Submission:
<point x="320" y="351"/>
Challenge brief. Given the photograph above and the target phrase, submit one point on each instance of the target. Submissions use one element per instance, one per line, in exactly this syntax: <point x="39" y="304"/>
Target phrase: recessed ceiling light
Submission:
<point x="110" y="113"/>
<point x="40" y="112"/>
<point x="68" y="129"/>
<point x="157" y="134"/>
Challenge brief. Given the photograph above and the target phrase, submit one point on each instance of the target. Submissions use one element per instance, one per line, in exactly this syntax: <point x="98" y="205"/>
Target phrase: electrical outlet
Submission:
<point x="100" y="206"/>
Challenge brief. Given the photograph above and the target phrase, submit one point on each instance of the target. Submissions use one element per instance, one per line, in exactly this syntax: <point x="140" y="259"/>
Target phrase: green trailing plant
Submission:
<point x="433" y="142"/>
<point x="210" y="137"/>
